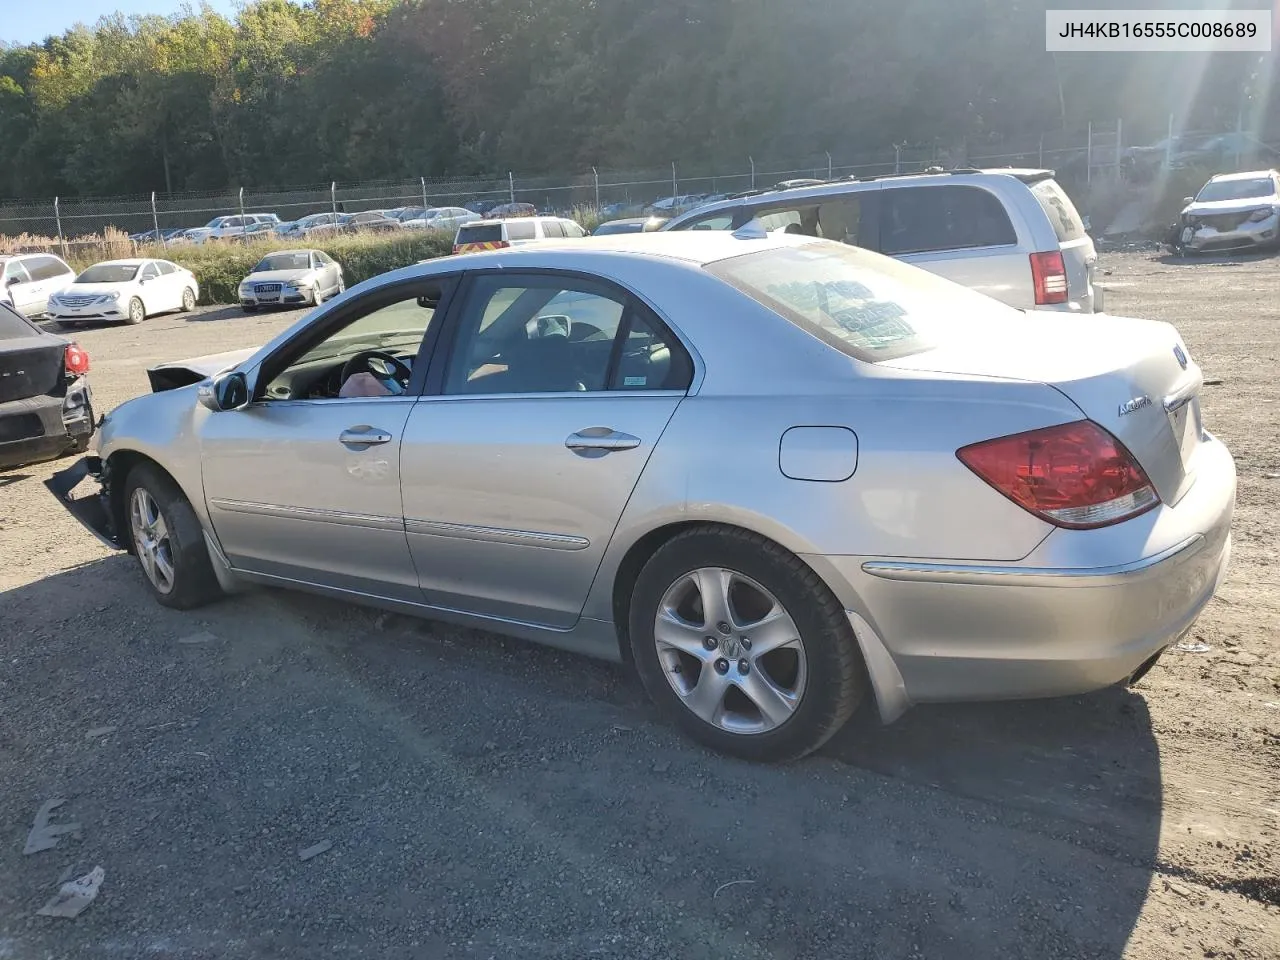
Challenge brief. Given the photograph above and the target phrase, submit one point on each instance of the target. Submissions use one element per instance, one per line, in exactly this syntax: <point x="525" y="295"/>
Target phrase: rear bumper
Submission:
<point x="44" y="427"/>
<point x="1048" y="625"/>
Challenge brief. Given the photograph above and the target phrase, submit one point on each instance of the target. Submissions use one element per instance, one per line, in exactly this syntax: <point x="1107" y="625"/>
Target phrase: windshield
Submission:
<point x="862" y="304"/>
<point x="109" y="273"/>
<point x="1236" y="190"/>
<point x="283" y="261"/>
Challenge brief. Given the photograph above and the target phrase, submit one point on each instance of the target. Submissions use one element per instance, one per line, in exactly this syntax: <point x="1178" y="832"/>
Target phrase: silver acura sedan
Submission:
<point x="778" y="475"/>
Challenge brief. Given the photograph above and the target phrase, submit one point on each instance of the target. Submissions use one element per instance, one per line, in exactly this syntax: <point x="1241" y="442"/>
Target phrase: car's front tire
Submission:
<point x="136" y="313"/>
<point x="168" y="541"/>
<point x="743" y="645"/>
<point x="249" y="307"/>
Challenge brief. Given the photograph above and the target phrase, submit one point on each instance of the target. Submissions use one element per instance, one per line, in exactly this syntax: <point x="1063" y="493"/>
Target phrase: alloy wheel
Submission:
<point x="730" y="651"/>
<point x="151" y="540"/>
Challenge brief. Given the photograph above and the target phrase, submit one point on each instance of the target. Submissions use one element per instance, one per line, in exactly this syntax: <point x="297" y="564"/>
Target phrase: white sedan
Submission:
<point x="128" y="290"/>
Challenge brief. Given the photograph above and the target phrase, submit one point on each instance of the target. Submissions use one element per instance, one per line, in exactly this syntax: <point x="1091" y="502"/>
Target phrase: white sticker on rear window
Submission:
<point x="634" y="381"/>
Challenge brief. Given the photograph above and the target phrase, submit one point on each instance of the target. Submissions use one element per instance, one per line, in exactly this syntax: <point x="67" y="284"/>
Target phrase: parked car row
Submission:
<point x="43" y="285"/>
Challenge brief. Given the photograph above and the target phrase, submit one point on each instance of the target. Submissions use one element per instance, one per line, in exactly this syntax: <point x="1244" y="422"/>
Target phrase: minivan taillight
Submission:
<point x="1073" y="475"/>
<point x="76" y="360"/>
<point x="1049" y="277"/>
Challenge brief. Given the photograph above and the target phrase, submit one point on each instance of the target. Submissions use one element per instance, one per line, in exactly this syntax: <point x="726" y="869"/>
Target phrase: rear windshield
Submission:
<point x="1059" y="209"/>
<point x="109" y="273"/>
<point x="1236" y="189"/>
<point x="13" y="326"/>
<point x="480" y="233"/>
<point x="283" y="261"/>
<point x="864" y="305"/>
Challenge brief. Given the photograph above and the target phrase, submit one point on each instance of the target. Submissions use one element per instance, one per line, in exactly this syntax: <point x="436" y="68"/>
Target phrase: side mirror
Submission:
<point x="227" y="391"/>
<point x="11" y="281"/>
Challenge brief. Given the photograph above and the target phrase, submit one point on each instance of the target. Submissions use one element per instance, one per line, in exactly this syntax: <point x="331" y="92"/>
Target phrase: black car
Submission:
<point x="46" y="406"/>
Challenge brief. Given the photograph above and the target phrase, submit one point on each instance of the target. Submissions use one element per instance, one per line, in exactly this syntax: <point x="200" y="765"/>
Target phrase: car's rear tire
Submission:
<point x="188" y="300"/>
<point x="136" y="313"/>
<point x="167" y="540"/>
<point x="776" y="635"/>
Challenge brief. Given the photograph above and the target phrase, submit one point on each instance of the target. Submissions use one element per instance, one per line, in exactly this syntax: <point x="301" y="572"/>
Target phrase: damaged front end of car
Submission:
<point x="94" y="511"/>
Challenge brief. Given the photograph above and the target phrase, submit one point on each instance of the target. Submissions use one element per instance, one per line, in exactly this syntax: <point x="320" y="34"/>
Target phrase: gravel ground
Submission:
<point x="486" y="798"/>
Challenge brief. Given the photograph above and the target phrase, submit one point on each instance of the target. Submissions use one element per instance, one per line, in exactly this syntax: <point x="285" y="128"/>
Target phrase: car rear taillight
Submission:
<point x="1049" y="277"/>
<point x="1073" y="475"/>
<point x="76" y="360"/>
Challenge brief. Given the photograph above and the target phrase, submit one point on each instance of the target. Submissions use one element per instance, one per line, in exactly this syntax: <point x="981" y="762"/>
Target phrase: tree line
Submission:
<point x="369" y="89"/>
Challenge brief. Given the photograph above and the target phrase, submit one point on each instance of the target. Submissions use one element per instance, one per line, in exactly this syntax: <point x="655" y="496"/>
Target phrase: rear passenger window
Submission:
<point x="835" y="219"/>
<point x="165" y="267"/>
<point x="650" y="358"/>
<point x="552" y="228"/>
<point x="922" y="219"/>
<point x="45" y="268"/>
<point x="571" y="229"/>
<point x="714" y="221"/>
<point x="521" y="230"/>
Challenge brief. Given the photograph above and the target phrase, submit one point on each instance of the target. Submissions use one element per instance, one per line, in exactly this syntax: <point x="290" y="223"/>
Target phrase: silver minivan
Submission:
<point x="1012" y="234"/>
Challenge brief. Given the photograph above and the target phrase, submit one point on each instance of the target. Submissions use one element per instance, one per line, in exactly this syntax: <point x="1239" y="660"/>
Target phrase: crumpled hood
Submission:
<point x="1214" y="207"/>
<point x="181" y="373"/>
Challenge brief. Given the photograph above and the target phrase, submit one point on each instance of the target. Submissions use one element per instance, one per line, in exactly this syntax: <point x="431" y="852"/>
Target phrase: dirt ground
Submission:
<point x="486" y="798"/>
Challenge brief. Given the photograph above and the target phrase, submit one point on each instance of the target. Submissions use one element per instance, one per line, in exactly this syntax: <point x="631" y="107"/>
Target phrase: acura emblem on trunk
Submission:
<point x="1181" y="355"/>
<point x="1137" y="403"/>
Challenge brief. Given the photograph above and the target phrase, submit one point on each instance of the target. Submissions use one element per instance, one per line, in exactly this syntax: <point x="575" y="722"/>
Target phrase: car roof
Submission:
<point x="696" y="247"/>
<point x="273" y="253"/>
<point x="1247" y="175"/>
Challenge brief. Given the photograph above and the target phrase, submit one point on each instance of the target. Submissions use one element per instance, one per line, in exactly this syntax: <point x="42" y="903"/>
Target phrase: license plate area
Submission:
<point x="1185" y="422"/>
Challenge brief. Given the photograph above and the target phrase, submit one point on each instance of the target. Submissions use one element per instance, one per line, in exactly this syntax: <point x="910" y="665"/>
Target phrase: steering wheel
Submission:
<point x="391" y="372"/>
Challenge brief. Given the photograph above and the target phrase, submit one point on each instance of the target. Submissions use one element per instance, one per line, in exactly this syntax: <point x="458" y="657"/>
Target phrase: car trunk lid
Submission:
<point x="31" y="362"/>
<point x="1131" y="376"/>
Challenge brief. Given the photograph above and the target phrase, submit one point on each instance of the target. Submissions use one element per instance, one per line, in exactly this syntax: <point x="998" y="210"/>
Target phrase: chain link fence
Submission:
<point x="1080" y="156"/>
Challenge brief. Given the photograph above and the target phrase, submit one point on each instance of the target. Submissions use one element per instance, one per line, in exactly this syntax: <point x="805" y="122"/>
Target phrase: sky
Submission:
<point x="30" y="21"/>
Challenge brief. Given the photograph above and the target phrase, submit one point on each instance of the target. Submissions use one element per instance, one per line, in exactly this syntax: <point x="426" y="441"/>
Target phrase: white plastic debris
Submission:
<point x="314" y="851"/>
<point x="45" y="835"/>
<point x="74" y="895"/>
<point x="1194" y="646"/>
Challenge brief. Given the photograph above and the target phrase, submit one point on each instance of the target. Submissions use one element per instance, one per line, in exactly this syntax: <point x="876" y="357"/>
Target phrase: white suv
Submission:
<point x="496" y="234"/>
<point x="27" y="281"/>
<point x="1011" y="234"/>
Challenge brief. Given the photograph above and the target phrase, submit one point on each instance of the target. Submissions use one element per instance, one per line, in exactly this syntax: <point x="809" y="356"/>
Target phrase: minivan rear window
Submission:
<point x="1059" y="209"/>
<point x="863" y="305"/>
<point x="480" y="233"/>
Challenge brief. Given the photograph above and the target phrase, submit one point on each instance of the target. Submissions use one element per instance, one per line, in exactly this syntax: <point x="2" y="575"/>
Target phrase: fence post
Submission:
<point x="333" y="201"/>
<point x="828" y="164"/>
<point x="1239" y="133"/>
<point x="511" y="185"/>
<point x="675" y="189"/>
<point x="752" y="161"/>
<point x="244" y="229"/>
<point x="897" y="158"/>
<point x="1168" y="145"/>
<point x="57" y="216"/>
<point x="596" y="176"/>
<point x="1041" y="164"/>
<point x="155" y="222"/>
<point x="423" y="181"/>
<point x="1119" y="142"/>
<point x="1088" y="155"/>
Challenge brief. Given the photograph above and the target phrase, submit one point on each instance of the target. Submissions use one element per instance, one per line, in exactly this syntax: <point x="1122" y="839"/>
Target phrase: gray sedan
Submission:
<point x="291" y="278"/>
<point x="777" y="475"/>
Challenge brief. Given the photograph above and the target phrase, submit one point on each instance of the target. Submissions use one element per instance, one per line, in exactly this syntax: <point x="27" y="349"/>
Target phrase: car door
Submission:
<point x="518" y="463"/>
<point x="47" y="277"/>
<point x="152" y="289"/>
<point x="958" y="231"/>
<point x="168" y="285"/>
<point x="303" y="483"/>
<point x="24" y="293"/>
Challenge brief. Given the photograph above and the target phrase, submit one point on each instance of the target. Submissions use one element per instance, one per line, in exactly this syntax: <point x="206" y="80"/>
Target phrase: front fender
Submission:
<point x="165" y="428"/>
